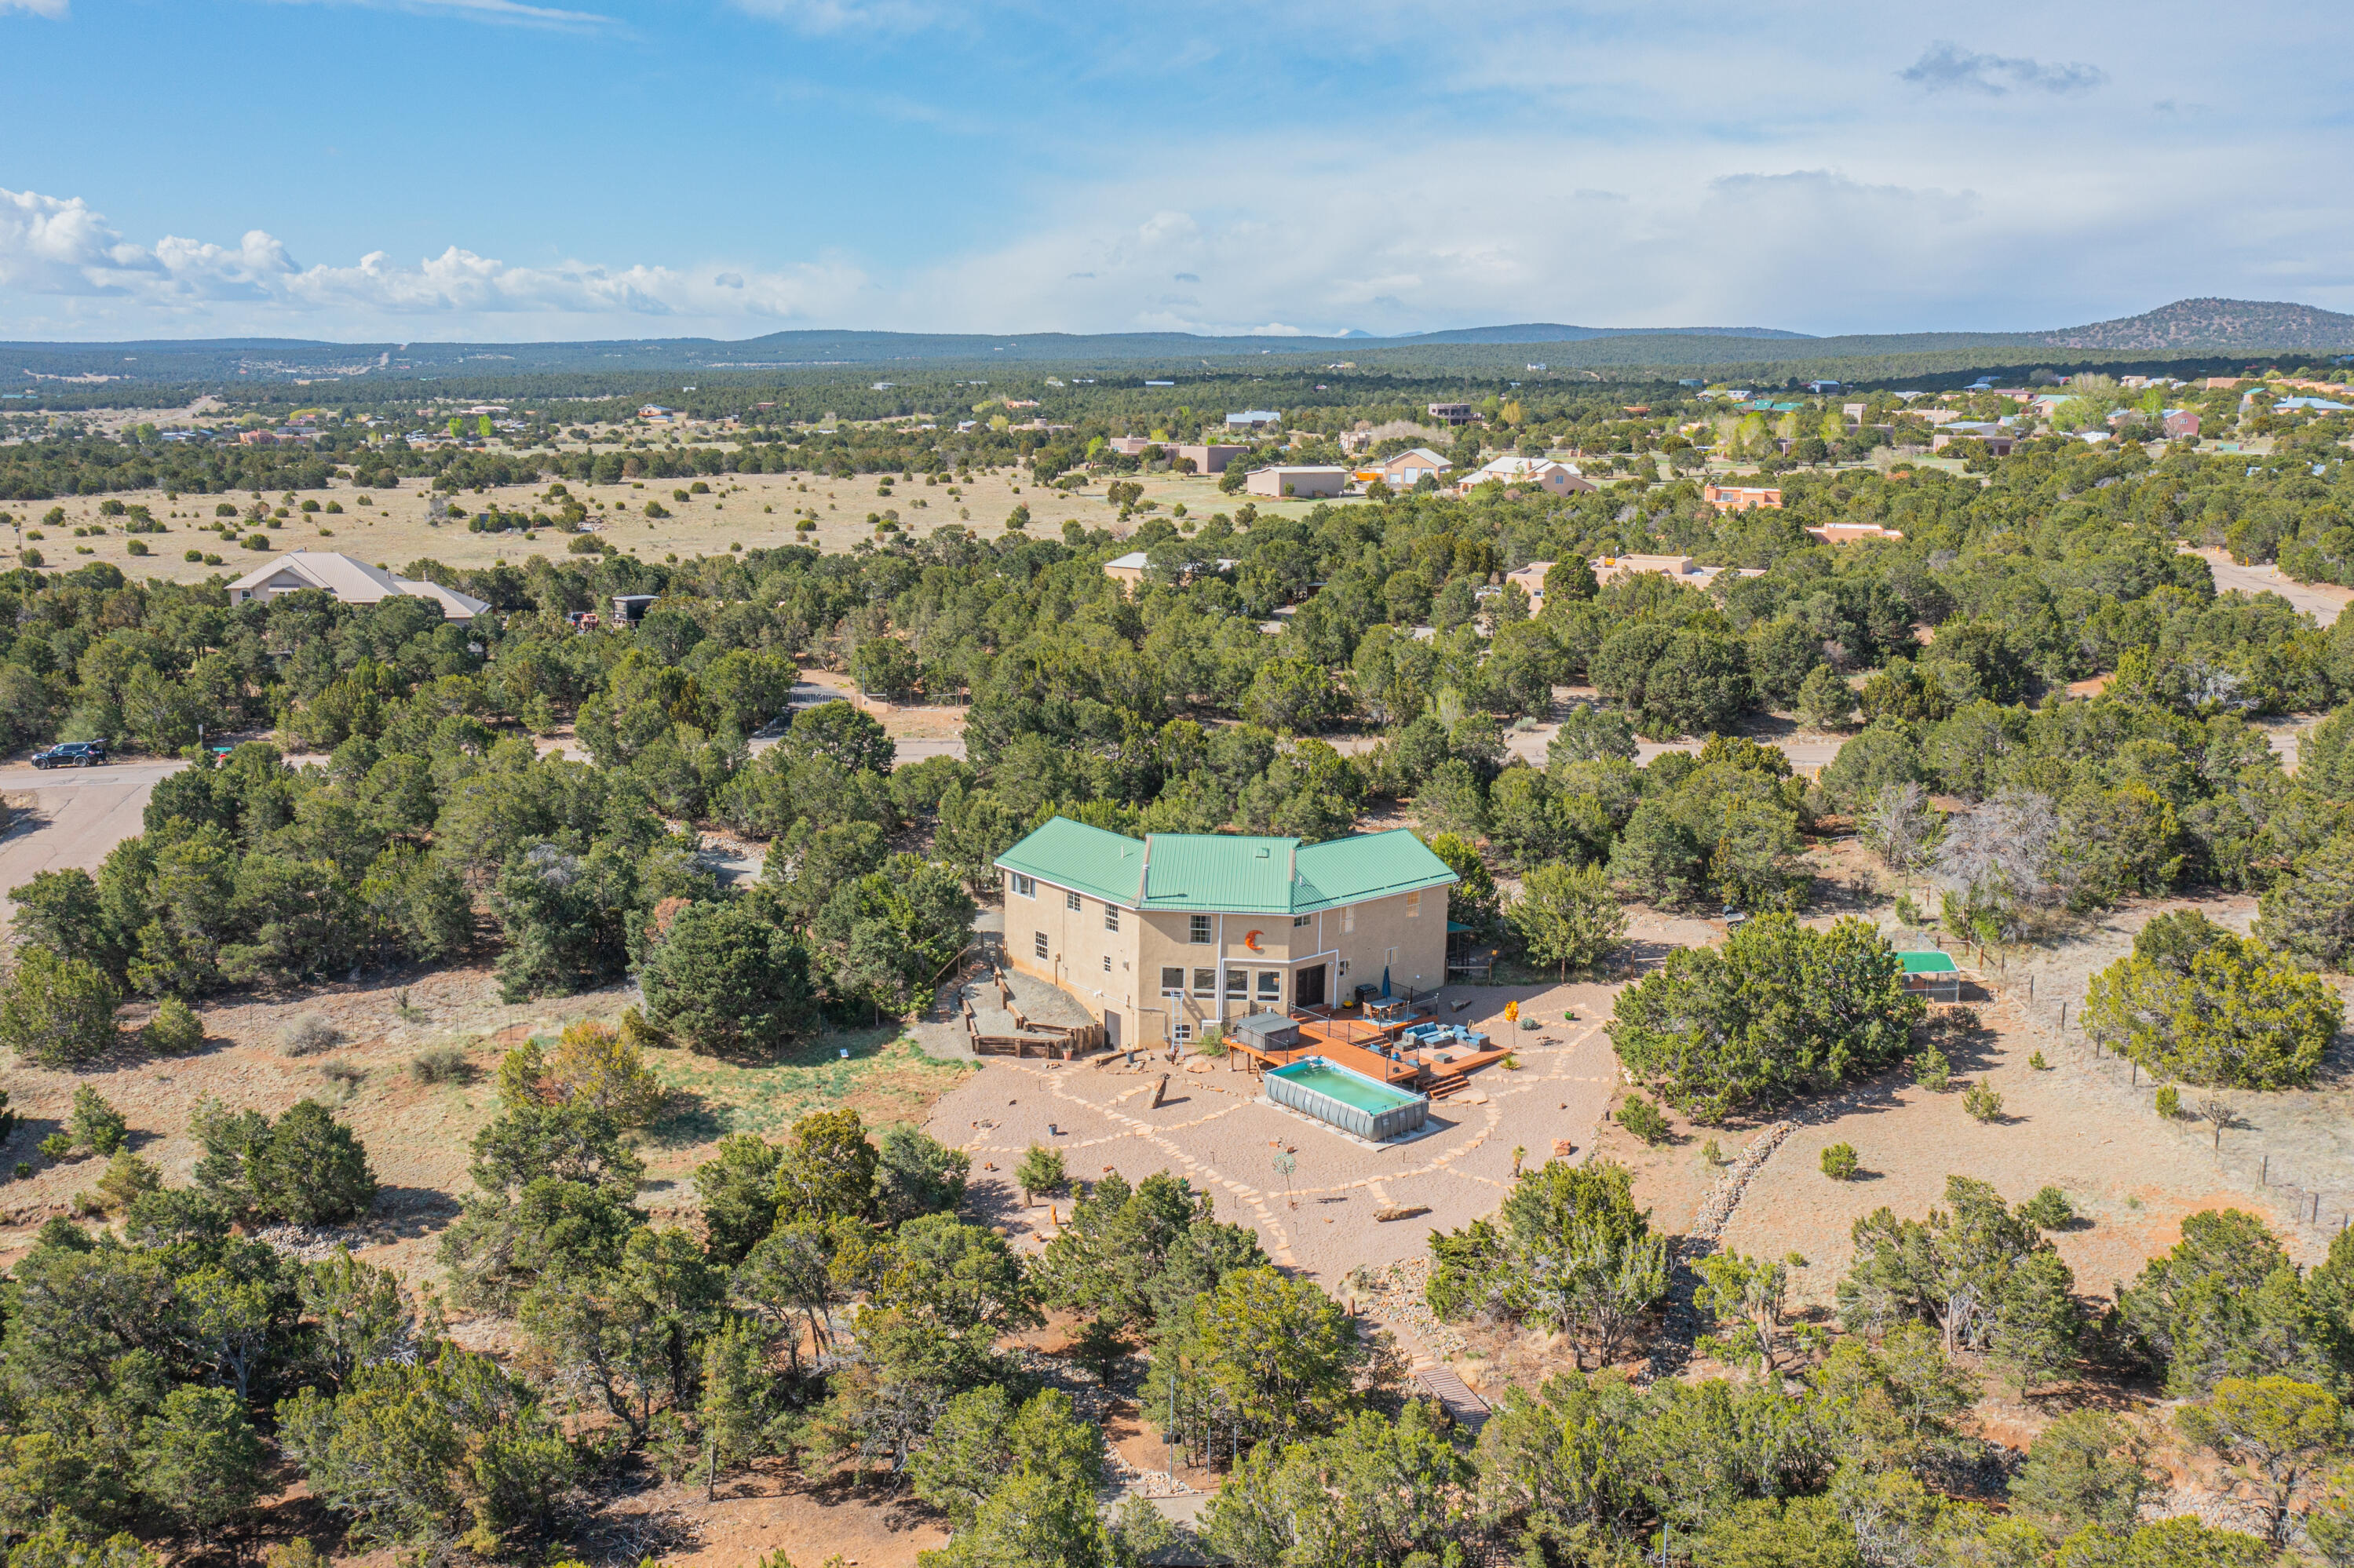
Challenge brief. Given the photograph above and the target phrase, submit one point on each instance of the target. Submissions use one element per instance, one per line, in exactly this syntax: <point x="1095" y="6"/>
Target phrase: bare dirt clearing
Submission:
<point x="419" y="1136"/>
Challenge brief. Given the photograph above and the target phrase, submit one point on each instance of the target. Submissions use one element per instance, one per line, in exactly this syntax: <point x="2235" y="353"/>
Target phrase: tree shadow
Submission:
<point x="689" y="1119"/>
<point x="408" y="1213"/>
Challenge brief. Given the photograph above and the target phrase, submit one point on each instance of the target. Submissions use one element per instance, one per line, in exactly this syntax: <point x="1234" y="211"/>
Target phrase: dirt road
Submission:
<point x="2319" y="600"/>
<point x="78" y="814"/>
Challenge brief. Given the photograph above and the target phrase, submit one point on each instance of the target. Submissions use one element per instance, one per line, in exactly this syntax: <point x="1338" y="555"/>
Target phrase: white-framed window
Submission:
<point x="1238" y="984"/>
<point x="1205" y="982"/>
<point x="1111" y="916"/>
<point x="1299" y="920"/>
<point x="1107" y="963"/>
<point x="1039" y="946"/>
<point x="1270" y="985"/>
<point x="1071" y="902"/>
<point x="1023" y="886"/>
<point x="1414" y="903"/>
<point x="1173" y="981"/>
<point x="1197" y="929"/>
<point x="1181" y="1031"/>
<point x="1349" y="920"/>
<point x="1344" y="966"/>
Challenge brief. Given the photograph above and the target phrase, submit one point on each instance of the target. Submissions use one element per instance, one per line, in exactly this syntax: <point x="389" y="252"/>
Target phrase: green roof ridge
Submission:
<point x="1228" y="872"/>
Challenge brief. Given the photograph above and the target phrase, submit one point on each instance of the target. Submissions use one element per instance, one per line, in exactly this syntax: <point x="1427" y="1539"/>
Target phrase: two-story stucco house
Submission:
<point x="1159" y="936"/>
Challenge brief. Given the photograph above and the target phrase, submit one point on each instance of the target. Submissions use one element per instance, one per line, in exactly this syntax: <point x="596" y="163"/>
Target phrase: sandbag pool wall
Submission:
<point x="1378" y="1126"/>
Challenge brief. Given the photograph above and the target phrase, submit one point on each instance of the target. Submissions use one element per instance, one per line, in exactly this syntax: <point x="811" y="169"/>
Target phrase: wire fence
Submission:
<point x="2314" y="1190"/>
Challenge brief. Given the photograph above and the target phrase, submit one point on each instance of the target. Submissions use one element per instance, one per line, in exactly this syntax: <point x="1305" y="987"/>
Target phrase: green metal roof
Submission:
<point x="1225" y="872"/>
<point x="1108" y="866"/>
<point x="1928" y="963"/>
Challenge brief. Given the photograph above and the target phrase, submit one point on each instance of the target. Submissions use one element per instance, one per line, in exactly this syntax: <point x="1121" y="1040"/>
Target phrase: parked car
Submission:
<point x="71" y="754"/>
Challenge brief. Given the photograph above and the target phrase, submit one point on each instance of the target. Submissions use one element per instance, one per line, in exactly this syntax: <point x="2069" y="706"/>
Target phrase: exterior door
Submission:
<point x="1307" y="987"/>
<point x="1112" y="1029"/>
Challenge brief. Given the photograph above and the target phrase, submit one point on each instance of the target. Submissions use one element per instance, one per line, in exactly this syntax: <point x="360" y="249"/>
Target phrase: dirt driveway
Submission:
<point x="77" y="816"/>
<point x="2319" y="600"/>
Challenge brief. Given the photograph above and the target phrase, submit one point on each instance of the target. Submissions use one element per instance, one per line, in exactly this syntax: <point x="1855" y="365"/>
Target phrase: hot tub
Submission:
<point x="1347" y="1099"/>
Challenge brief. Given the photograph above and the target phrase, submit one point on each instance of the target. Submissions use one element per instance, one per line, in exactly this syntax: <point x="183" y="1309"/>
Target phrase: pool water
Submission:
<point x="1348" y="1087"/>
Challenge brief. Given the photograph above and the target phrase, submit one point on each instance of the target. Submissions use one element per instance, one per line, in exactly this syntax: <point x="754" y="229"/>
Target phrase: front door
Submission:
<point x="1307" y="987"/>
<point x="1111" y="1030"/>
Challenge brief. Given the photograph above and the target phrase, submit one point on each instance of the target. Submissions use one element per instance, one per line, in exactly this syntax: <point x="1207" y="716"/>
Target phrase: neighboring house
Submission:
<point x="655" y="411"/>
<point x="1738" y="498"/>
<point x="1682" y="568"/>
<point x="1131" y="445"/>
<point x="2179" y="424"/>
<point x="351" y="582"/>
<point x="1553" y="477"/>
<point x="1849" y="533"/>
<point x="1208" y="458"/>
<point x="1451" y="413"/>
<point x="1253" y="420"/>
<point x="1532" y="580"/>
<point x="1158" y="937"/>
<point x="1819" y="388"/>
<point x="1129" y="570"/>
<point x="2311" y="405"/>
<point x="1999" y="439"/>
<point x="1303" y="480"/>
<point x="1405" y="470"/>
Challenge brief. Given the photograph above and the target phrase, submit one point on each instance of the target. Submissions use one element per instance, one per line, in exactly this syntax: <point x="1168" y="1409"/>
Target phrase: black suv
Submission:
<point x="71" y="754"/>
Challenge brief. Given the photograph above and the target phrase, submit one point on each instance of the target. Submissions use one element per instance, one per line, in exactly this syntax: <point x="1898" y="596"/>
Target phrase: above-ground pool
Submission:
<point x="1348" y="1099"/>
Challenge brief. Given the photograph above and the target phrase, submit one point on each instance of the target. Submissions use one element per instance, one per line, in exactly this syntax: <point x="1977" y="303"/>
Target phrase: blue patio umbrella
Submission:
<point x="1385" y="982"/>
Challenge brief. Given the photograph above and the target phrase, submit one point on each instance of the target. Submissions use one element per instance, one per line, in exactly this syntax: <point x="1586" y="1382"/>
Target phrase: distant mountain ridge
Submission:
<point x="1552" y="331"/>
<point x="2211" y="325"/>
<point x="2196" y="326"/>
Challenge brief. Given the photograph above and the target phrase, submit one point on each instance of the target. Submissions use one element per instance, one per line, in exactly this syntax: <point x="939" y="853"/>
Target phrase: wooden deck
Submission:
<point x="1359" y="1044"/>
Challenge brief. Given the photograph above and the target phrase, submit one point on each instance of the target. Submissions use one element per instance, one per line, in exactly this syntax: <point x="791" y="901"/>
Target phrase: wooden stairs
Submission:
<point x="1467" y="1409"/>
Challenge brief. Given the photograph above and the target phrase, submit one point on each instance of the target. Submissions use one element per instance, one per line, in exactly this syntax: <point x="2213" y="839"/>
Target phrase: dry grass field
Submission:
<point x="391" y="527"/>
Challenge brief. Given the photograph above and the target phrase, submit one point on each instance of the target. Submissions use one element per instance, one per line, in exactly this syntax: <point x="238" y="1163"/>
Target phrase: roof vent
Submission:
<point x="1263" y="853"/>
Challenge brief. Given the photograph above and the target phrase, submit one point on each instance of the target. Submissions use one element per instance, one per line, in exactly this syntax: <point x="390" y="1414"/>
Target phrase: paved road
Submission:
<point x="78" y="814"/>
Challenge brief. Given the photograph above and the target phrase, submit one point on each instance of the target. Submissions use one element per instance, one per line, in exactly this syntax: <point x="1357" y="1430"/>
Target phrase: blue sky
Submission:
<point x="494" y="169"/>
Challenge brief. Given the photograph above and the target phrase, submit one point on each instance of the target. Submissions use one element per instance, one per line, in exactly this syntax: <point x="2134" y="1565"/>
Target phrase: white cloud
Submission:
<point x="59" y="247"/>
<point x="510" y="12"/>
<point x="1945" y="65"/>
<point x="38" y="7"/>
<point x="850" y="15"/>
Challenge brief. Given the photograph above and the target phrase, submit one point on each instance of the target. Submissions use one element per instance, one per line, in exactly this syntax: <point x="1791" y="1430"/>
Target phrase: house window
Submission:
<point x="1107" y="963"/>
<point x="1025" y="887"/>
<point x="1238" y="984"/>
<point x="1071" y="902"/>
<point x="1183" y="1031"/>
<point x="1039" y="947"/>
<point x="1414" y="903"/>
<point x="1344" y="967"/>
<point x="1198" y="930"/>
<point x="1173" y="981"/>
<point x="1270" y="985"/>
<point x="1349" y="920"/>
<point x="1205" y="982"/>
<point x="1299" y="920"/>
<point x="1111" y="916"/>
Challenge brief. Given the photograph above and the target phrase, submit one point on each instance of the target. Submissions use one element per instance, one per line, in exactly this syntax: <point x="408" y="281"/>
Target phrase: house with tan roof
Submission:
<point x="350" y="582"/>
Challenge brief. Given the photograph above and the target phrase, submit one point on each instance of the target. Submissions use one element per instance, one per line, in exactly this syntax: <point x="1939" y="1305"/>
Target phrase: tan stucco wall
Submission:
<point x="1367" y="936"/>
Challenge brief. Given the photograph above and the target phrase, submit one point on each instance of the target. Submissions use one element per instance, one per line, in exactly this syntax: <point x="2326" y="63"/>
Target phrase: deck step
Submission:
<point x="1453" y="1084"/>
